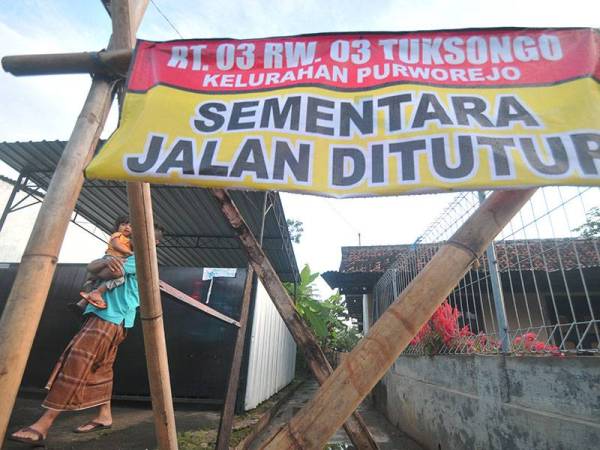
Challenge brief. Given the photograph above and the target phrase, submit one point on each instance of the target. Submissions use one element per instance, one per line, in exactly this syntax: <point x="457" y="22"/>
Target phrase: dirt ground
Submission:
<point x="133" y="427"/>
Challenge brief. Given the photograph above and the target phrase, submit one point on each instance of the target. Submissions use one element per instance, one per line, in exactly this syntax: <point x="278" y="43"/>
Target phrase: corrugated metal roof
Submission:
<point x="197" y="232"/>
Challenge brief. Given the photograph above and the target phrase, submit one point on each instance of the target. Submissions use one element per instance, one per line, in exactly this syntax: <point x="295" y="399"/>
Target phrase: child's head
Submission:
<point x="122" y="225"/>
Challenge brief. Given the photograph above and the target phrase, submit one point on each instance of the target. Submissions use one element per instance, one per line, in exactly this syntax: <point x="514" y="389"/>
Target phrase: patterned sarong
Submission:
<point x="83" y="376"/>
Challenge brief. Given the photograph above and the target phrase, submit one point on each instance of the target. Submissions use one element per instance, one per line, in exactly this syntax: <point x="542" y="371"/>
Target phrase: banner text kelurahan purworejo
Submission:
<point x="363" y="114"/>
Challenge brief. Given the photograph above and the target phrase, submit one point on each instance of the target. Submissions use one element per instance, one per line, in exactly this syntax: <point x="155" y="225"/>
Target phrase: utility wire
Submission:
<point x="166" y="18"/>
<point x="334" y="209"/>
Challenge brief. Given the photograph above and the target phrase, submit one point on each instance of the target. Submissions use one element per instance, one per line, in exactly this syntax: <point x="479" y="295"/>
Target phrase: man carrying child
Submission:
<point x="83" y="375"/>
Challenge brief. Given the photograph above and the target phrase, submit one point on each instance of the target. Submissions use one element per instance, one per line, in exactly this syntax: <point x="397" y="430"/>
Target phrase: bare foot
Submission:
<point x="94" y="298"/>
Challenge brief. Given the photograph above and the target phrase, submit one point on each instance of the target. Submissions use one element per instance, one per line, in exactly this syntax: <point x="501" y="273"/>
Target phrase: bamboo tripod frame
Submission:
<point x="341" y="391"/>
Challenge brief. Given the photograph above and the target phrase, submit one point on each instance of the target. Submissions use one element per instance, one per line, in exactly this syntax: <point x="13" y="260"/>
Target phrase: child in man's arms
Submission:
<point x="119" y="246"/>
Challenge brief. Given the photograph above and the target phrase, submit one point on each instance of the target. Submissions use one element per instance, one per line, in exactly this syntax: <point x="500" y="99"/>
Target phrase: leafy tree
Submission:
<point x="327" y="317"/>
<point x="344" y="340"/>
<point x="295" y="228"/>
<point x="591" y="227"/>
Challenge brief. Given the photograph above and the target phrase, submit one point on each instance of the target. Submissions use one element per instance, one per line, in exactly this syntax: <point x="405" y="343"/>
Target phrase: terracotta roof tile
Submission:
<point x="532" y="254"/>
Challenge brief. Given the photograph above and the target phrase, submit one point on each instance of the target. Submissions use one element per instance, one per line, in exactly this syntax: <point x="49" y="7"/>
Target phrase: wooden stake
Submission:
<point x="389" y="336"/>
<point x="27" y="297"/>
<point x="236" y="364"/>
<point x="354" y="426"/>
<point x="142" y="224"/>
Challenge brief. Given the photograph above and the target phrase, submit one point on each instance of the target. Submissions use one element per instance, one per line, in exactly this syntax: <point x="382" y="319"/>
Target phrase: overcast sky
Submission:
<point x="46" y="107"/>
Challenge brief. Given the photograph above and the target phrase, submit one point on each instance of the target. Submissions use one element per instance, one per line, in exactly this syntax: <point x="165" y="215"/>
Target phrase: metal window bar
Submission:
<point x="549" y="277"/>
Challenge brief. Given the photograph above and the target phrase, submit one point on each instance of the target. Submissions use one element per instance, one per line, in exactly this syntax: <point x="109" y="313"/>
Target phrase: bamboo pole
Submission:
<point x="103" y="62"/>
<point x="27" y="297"/>
<point x="234" y="373"/>
<point x="354" y="426"/>
<point x="389" y="336"/>
<point x="151" y="315"/>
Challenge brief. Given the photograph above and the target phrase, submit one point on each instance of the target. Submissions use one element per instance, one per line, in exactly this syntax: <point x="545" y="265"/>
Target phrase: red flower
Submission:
<point x="444" y="328"/>
<point x="425" y="329"/>
<point x="539" y="346"/>
<point x="528" y="342"/>
<point x="445" y="322"/>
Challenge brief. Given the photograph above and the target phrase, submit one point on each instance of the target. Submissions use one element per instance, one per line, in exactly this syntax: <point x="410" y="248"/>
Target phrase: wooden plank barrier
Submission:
<point x="305" y="339"/>
<point x="184" y="298"/>
<point x="226" y="422"/>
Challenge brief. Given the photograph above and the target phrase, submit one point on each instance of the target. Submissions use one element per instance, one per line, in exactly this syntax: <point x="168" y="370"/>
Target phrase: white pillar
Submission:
<point x="366" y="317"/>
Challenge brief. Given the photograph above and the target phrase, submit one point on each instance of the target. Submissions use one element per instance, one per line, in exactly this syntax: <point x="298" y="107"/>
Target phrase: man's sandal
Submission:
<point x="39" y="442"/>
<point x="95" y="426"/>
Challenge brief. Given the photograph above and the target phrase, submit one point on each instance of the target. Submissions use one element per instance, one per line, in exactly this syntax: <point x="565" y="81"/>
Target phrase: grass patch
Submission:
<point x="206" y="438"/>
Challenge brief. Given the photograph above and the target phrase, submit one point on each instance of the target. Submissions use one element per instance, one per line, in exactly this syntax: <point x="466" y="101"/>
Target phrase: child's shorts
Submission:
<point x="111" y="284"/>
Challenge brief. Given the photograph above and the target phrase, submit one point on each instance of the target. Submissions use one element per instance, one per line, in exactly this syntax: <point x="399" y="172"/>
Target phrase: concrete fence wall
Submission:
<point x="494" y="402"/>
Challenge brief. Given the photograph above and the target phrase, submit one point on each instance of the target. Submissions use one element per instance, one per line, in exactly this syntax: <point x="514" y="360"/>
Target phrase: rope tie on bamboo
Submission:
<point x="158" y="316"/>
<point x="54" y="258"/>
<point x="103" y="68"/>
<point x="475" y="261"/>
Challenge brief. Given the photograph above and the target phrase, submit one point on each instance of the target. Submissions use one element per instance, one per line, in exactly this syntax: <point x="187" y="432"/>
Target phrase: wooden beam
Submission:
<point x="389" y="336"/>
<point x="354" y="426"/>
<point x="27" y="297"/>
<point x="110" y="62"/>
<point x="226" y="421"/>
<point x="151" y="315"/>
<point x="182" y="297"/>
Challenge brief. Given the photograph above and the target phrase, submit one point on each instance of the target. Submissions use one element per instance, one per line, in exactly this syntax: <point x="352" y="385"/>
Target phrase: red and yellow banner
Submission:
<point x="363" y="114"/>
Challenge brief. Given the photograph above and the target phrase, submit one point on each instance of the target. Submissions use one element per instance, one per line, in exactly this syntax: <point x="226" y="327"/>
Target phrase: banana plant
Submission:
<point x="325" y="317"/>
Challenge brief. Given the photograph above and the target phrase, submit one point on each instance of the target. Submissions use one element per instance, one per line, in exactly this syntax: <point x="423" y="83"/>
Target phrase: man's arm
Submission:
<point x="106" y="268"/>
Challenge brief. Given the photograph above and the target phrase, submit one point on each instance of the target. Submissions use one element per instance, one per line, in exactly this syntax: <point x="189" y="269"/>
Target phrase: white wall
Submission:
<point x="78" y="246"/>
<point x="272" y="353"/>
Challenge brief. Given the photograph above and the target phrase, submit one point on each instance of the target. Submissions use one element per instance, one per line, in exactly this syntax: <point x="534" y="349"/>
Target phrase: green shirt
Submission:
<point x="122" y="301"/>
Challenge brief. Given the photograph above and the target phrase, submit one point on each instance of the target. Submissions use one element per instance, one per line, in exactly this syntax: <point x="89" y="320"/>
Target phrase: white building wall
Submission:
<point x="78" y="246"/>
<point x="272" y="361"/>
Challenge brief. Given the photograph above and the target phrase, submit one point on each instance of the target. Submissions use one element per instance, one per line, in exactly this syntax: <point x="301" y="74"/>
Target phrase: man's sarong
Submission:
<point x="83" y="376"/>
